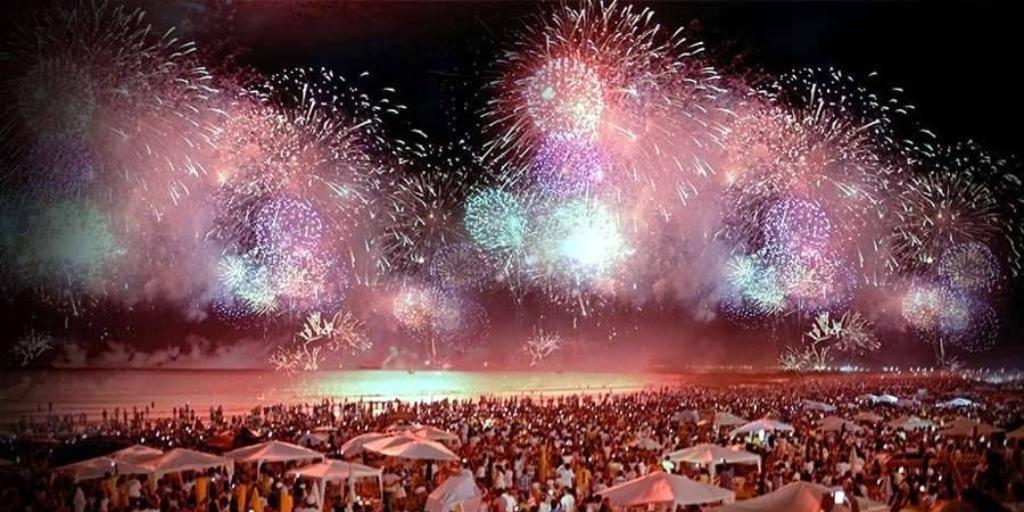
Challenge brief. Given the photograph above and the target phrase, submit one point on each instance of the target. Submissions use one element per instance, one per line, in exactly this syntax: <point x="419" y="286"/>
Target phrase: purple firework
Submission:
<point x="568" y="165"/>
<point x="797" y="226"/>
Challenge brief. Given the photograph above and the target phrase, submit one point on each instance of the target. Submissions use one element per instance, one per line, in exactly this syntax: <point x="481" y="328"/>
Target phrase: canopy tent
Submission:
<point x="796" y="497"/>
<point x="836" y="424"/>
<point x="690" y="415"/>
<point x="957" y="403"/>
<point x="272" y="451"/>
<point x="434" y="434"/>
<point x="135" y="453"/>
<point x="907" y="403"/>
<point x="1016" y="434"/>
<point x="332" y="470"/>
<point x="355" y="445"/>
<point x="817" y="406"/>
<point x="963" y="427"/>
<point x="660" y="487"/>
<point x="99" y="467"/>
<point x="645" y="443"/>
<point x="408" y="446"/>
<point x="458" y="492"/>
<point x="726" y="419"/>
<point x="868" y="417"/>
<point x="910" y="423"/>
<point x="763" y="424"/>
<point x="881" y="399"/>
<point x="182" y="459"/>
<point x="712" y="454"/>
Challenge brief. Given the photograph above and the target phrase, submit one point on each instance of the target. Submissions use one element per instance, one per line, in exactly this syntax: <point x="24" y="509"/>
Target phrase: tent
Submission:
<point x="458" y="492"/>
<point x="411" y="447"/>
<point x="726" y="419"/>
<point x="99" y="467"/>
<point x="910" y="423"/>
<point x="763" y="424"/>
<point x="817" y="406"/>
<point x="868" y="417"/>
<point x="645" y="443"/>
<point x="355" y="445"/>
<point x="272" y="451"/>
<point x="1016" y="434"/>
<point x="434" y="434"/>
<point x="881" y="399"/>
<point x="690" y="415"/>
<point x="182" y="459"/>
<point x="957" y="403"/>
<point x="331" y="470"/>
<point x="135" y="453"/>
<point x="835" y="424"/>
<point x="712" y="454"/>
<point x="660" y="487"/>
<point x="963" y="427"/>
<point x="796" y="497"/>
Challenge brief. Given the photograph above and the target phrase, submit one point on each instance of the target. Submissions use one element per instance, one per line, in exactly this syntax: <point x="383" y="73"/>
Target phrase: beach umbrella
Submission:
<point x="661" y="487"/>
<point x="434" y="434"/>
<point x="797" y="497"/>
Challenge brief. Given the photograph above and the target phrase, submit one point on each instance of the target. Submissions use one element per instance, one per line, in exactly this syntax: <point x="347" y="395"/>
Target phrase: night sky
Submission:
<point x="954" y="59"/>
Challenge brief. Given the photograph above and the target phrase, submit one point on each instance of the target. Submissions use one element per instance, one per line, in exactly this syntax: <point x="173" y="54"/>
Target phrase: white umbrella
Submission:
<point x="660" y="487"/>
<point x="459" y="491"/>
<point x="434" y="434"/>
<point x="355" y="445"/>
<point x="411" y="447"/>
<point x="763" y="424"/>
<point x="712" y="454"/>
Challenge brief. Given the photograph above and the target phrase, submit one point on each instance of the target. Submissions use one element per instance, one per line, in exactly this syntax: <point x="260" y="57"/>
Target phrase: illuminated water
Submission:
<point x="92" y="391"/>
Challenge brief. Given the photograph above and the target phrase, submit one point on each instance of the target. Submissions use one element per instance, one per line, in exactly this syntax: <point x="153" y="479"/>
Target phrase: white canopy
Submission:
<point x="99" y="467"/>
<point x="273" y="451"/>
<point x="712" y="454"/>
<point x="135" y="453"/>
<point x="881" y="399"/>
<point x="963" y="427"/>
<point x="763" y="424"/>
<point x="645" y="443"/>
<point x="434" y="434"/>
<point x="332" y="470"/>
<point x="796" y="497"/>
<point x="726" y="419"/>
<point x="910" y="423"/>
<point x="1016" y="434"/>
<point x="457" y="492"/>
<point x="868" y="417"/>
<point x="958" y="403"/>
<point x="411" y="447"/>
<point x="689" y="415"/>
<point x="835" y="424"/>
<point x="182" y="459"/>
<point x="817" y="406"/>
<point x="355" y="445"/>
<point x="660" y="487"/>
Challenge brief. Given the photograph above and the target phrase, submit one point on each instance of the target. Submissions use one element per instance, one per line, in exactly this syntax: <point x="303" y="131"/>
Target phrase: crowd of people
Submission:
<point x="550" y="454"/>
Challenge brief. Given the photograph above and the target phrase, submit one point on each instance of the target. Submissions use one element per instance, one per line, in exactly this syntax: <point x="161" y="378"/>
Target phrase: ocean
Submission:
<point x="91" y="391"/>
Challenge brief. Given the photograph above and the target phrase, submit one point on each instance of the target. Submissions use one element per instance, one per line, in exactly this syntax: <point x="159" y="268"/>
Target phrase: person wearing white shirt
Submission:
<point x="568" y="501"/>
<point x="79" y="499"/>
<point x="508" y="502"/>
<point x="545" y="504"/>
<point x="565" y="476"/>
<point x="134" y="489"/>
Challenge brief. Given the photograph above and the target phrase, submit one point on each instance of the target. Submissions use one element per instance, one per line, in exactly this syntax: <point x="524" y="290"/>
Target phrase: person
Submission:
<point x="507" y="501"/>
<point x="568" y="502"/>
<point x="79" y="499"/>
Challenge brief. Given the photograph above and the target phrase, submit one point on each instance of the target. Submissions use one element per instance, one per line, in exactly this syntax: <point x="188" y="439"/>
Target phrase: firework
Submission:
<point x="606" y="73"/>
<point x="29" y="347"/>
<point x="297" y="357"/>
<point x="966" y="323"/>
<point x="498" y="220"/>
<point x="439" y="317"/>
<point x="754" y="288"/>
<point x="582" y="239"/>
<point x="922" y="306"/>
<point x="797" y="226"/>
<point x="461" y="266"/>
<point x="287" y="225"/>
<point x="69" y="241"/>
<point x="422" y="216"/>
<point x="540" y="345"/>
<point x="564" y="97"/>
<point x="97" y="72"/>
<point x="568" y="166"/>
<point x="970" y="267"/>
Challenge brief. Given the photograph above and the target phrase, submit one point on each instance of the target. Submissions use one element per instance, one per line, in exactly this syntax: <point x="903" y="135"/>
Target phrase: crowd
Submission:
<point x="550" y="454"/>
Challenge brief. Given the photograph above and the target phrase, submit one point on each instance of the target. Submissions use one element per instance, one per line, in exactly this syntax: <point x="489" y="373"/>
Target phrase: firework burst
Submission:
<point x="970" y="267"/>
<point x="540" y="345"/>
